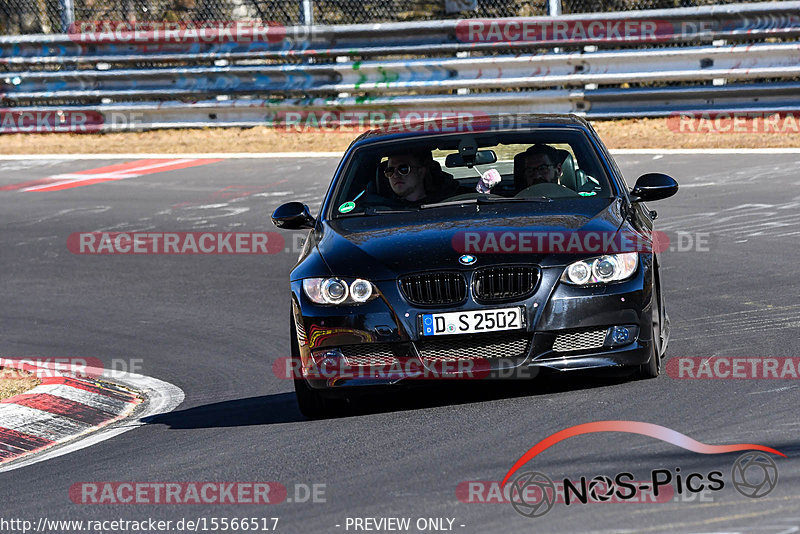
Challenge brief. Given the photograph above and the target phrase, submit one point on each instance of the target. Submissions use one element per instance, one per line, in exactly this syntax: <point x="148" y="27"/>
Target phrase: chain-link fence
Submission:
<point x="30" y="16"/>
<point x="50" y="16"/>
<point x="353" y="11"/>
<point x="599" y="6"/>
<point x="293" y="11"/>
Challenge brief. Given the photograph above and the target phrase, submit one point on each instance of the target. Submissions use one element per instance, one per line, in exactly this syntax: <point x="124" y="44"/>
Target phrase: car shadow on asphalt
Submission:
<point x="263" y="410"/>
<point x="282" y="408"/>
<point x="442" y="393"/>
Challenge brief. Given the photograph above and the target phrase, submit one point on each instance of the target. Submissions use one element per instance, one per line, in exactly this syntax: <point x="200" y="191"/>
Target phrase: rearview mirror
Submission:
<point x="293" y="216"/>
<point x="653" y="186"/>
<point x="482" y="157"/>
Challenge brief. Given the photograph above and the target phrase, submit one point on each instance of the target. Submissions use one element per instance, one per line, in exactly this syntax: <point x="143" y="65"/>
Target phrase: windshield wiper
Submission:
<point x="495" y="200"/>
<point x="375" y="211"/>
<point x="449" y="203"/>
<point x="485" y="200"/>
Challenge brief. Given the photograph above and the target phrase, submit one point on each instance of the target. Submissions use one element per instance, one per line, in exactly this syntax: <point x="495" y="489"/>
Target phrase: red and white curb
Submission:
<point x="63" y="408"/>
<point x="109" y="173"/>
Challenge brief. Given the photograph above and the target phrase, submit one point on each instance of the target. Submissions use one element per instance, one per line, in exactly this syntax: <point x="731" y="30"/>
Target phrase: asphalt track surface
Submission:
<point x="213" y="325"/>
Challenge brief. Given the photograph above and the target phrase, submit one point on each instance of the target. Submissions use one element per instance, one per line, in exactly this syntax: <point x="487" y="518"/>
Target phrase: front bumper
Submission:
<point x="388" y="327"/>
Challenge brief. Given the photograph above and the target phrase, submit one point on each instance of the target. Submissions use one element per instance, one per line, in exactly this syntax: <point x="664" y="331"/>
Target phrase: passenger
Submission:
<point x="407" y="174"/>
<point x="415" y="178"/>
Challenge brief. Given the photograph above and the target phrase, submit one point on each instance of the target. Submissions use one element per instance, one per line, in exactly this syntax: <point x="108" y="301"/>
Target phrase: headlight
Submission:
<point x="334" y="291"/>
<point x="338" y="291"/>
<point x="361" y="290"/>
<point x="610" y="268"/>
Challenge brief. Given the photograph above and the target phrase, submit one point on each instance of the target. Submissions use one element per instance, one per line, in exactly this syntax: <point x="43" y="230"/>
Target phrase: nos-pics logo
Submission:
<point x="754" y="474"/>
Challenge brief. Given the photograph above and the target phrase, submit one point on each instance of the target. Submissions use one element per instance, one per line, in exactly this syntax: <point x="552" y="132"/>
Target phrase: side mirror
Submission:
<point x="653" y="186"/>
<point x="293" y="216"/>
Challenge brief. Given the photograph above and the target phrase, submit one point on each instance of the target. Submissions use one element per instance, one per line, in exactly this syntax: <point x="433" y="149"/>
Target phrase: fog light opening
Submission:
<point x="327" y="363"/>
<point x="621" y="335"/>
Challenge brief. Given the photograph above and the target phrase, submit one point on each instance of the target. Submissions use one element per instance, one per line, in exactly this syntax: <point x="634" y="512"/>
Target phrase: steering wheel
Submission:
<point x="547" y="190"/>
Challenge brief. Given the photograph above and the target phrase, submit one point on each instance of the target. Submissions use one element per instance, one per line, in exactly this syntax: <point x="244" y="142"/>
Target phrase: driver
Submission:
<point x="541" y="165"/>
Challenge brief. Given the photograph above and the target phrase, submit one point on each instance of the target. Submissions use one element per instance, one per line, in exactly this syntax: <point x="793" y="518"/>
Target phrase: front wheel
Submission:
<point x="652" y="368"/>
<point x="311" y="403"/>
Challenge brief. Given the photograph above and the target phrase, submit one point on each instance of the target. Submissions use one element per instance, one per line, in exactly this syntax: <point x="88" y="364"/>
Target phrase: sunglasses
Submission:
<point x="403" y="169"/>
<point x="540" y="168"/>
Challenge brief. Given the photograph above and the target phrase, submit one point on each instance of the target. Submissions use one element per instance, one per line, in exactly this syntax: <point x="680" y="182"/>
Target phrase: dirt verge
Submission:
<point x="629" y="133"/>
<point x="13" y="382"/>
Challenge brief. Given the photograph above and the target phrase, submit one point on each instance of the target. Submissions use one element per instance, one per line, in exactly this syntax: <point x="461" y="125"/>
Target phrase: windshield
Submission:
<point x="445" y="171"/>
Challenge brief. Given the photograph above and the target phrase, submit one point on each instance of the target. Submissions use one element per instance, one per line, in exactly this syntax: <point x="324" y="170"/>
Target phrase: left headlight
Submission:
<point x="335" y="290"/>
<point x="609" y="268"/>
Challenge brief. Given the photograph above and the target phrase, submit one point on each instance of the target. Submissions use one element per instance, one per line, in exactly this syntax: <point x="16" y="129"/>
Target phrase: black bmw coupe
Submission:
<point x="486" y="249"/>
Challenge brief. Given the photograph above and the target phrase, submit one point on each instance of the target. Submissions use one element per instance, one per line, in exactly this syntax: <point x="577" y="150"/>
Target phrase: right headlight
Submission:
<point x="338" y="291"/>
<point x="608" y="268"/>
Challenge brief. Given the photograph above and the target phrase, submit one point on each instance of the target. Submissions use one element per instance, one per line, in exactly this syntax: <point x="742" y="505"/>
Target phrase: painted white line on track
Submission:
<point x="58" y="182"/>
<point x="161" y="397"/>
<point x="61" y="179"/>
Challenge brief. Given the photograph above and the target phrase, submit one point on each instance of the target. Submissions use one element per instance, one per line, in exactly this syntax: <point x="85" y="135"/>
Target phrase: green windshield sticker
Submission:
<point x="587" y="193"/>
<point x="347" y="207"/>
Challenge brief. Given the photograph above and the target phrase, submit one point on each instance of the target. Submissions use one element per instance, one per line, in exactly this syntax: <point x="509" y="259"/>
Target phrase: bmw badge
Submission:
<point x="467" y="259"/>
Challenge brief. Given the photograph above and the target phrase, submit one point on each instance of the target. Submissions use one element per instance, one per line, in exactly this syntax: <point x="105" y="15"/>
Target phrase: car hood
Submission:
<point x="386" y="246"/>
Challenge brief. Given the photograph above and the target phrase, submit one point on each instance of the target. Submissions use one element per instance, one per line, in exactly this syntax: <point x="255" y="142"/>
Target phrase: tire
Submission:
<point x="652" y="368"/>
<point x="310" y="401"/>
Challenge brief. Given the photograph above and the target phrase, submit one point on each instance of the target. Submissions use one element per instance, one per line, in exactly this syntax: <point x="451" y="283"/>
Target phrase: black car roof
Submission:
<point x="491" y="122"/>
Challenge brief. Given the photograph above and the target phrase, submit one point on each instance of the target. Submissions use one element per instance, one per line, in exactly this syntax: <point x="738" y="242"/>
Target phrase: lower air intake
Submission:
<point x="489" y="346"/>
<point x="593" y="339"/>
<point x="368" y="355"/>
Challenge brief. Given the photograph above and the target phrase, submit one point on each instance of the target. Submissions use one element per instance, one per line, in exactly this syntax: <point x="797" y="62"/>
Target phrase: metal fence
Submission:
<point x="429" y="76"/>
<point x="716" y="58"/>
<point x="53" y="16"/>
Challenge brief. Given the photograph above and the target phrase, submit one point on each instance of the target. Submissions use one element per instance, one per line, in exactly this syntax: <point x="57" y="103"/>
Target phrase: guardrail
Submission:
<point x="245" y="83"/>
<point x="329" y="115"/>
<point x="739" y="62"/>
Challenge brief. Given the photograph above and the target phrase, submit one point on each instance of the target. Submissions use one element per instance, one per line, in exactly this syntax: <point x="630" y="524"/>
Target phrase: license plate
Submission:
<point x="473" y="322"/>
